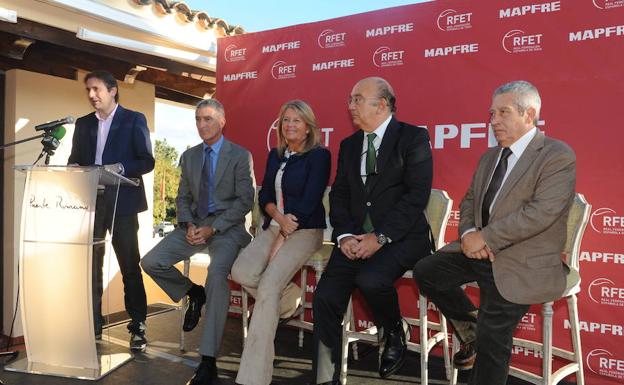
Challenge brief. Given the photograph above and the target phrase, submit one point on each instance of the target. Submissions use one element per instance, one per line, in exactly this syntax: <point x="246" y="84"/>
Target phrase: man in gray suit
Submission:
<point x="215" y="193"/>
<point x="513" y="228"/>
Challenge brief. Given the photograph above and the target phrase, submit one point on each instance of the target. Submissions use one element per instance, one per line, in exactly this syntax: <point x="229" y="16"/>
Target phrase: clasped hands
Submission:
<point x="198" y="235"/>
<point x="288" y="224"/>
<point x="361" y="246"/>
<point x="473" y="246"/>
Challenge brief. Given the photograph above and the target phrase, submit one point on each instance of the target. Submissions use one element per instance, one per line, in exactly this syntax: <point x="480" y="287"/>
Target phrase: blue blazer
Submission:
<point x="128" y="143"/>
<point x="304" y="181"/>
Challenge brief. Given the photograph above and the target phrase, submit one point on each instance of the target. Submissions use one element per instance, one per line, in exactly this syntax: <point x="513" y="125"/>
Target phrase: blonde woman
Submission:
<point x="295" y="178"/>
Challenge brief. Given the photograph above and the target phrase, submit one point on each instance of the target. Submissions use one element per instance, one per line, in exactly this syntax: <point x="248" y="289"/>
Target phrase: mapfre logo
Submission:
<point x="525" y="352"/>
<point x="282" y="70"/>
<point x="602" y="257"/>
<point x="387" y="57"/>
<point x="606" y="221"/>
<point x="232" y="53"/>
<point x="603" y="291"/>
<point x="553" y="6"/>
<point x="451" y="20"/>
<point x="452" y="50"/>
<point x="331" y="39"/>
<point x="602" y="362"/>
<point x="608" y="4"/>
<point x="518" y="41"/>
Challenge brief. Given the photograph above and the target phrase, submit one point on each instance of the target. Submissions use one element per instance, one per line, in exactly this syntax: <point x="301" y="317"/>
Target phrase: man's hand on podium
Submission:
<point x="115" y="167"/>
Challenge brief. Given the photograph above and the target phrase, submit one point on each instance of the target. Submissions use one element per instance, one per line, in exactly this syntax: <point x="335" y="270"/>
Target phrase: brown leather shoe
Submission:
<point x="464" y="359"/>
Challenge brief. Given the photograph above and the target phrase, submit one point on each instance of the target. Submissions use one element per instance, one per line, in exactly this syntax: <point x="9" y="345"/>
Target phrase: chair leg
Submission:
<point x="304" y="282"/>
<point x="354" y="345"/>
<point x="454" y="371"/>
<point x="347" y="324"/>
<point x="576" y="337"/>
<point x="547" y="314"/>
<point x="186" y="271"/>
<point x="244" y="313"/>
<point x="445" y="346"/>
<point x="424" y="345"/>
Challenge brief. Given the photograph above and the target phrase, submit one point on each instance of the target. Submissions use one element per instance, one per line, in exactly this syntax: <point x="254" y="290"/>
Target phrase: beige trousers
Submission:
<point x="269" y="283"/>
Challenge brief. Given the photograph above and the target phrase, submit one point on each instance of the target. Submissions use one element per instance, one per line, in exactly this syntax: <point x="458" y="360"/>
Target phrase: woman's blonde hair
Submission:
<point x="313" y="138"/>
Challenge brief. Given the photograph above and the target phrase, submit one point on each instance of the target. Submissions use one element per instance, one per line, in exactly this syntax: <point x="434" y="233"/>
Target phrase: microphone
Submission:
<point x="52" y="140"/>
<point x="55" y="123"/>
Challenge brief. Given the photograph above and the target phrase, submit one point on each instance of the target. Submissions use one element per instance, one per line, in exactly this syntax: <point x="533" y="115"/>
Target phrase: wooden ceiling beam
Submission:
<point x="167" y="94"/>
<point x="76" y="59"/>
<point x="57" y="36"/>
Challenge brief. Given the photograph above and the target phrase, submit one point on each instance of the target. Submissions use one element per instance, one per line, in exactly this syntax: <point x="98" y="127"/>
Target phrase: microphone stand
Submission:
<point x="44" y="151"/>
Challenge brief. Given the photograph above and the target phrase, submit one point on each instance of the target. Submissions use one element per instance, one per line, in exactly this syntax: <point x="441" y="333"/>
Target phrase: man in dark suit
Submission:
<point x="119" y="140"/>
<point x="377" y="204"/>
<point x="215" y="193"/>
<point x="513" y="228"/>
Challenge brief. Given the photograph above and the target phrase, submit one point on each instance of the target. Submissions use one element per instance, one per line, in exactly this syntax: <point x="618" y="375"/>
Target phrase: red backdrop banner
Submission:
<point x="444" y="59"/>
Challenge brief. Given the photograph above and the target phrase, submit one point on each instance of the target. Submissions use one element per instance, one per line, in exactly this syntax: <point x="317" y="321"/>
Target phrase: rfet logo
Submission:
<point x="602" y="362"/>
<point x="528" y="322"/>
<point x="453" y="220"/>
<point x="232" y="53"/>
<point x="271" y="134"/>
<point x="608" y="4"/>
<point x="282" y="70"/>
<point x="518" y="41"/>
<point x="603" y="291"/>
<point x="451" y="20"/>
<point x="606" y="221"/>
<point x="387" y="57"/>
<point x="331" y="39"/>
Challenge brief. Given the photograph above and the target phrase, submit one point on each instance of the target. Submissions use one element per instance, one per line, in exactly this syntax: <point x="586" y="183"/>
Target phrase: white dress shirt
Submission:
<point x="102" y="134"/>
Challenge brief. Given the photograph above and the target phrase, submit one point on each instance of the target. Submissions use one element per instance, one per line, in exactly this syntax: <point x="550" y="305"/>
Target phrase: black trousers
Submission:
<point x="375" y="277"/>
<point x="440" y="276"/>
<point x="126" y="246"/>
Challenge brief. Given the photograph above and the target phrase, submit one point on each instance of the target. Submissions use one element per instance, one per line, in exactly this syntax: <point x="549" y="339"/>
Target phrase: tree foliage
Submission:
<point x="166" y="180"/>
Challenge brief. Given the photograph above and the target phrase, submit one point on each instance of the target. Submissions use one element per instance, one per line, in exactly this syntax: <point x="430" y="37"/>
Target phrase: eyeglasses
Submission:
<point x="358" y="99"/>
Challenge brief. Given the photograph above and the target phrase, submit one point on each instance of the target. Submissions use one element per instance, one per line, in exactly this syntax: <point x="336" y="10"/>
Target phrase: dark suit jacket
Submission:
<point x="527" y="225"/>
<point x="128" y="143"/>
<point x="396" y="196"/>
<point x="303" y="185"/>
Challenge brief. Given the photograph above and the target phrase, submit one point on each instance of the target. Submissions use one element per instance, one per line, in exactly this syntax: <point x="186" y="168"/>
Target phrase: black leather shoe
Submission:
<point x="193" y="312"/>
<point x="464" y="359"/>
<point x="394" y="348"/>
<point x="205" y="374"/>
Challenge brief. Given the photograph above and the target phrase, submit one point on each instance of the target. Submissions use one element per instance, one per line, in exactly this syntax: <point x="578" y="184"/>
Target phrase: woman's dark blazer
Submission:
<point x="304" y="181"/>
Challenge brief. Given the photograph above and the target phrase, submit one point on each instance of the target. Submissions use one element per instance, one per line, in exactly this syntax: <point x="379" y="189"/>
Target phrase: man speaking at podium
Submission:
<point x="119" y="140"/>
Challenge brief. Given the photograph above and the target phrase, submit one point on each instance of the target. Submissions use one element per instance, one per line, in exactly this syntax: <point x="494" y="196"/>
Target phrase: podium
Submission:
<point x="55" y="263"/>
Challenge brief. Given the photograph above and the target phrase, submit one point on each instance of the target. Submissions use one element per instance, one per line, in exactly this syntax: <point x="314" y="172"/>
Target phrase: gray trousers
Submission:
<point x="223" y="250"/>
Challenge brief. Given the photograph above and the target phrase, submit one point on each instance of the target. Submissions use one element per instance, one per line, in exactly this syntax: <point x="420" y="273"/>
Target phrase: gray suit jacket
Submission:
<point x="528" y="222"/>
<point x="234" y="191"/>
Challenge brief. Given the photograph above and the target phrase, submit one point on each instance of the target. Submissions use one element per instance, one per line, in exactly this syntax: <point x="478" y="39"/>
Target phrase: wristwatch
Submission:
<point x="382" y="239"/>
